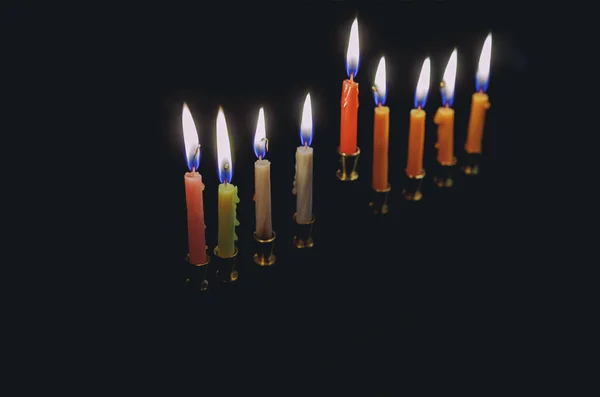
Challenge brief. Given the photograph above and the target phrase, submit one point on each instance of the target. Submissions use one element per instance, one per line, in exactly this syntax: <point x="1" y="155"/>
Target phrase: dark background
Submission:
<point x="379" y="303"/>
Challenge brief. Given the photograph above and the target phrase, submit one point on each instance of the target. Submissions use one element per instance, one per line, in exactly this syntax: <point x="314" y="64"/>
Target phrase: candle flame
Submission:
<point x="225" y="165"/>
<point x="306" y="126"/>
<point x="483" y="70"/>
<point x="190" y="138"/>
<point x="423" y="84"/>
<point x="260" y="136"/>
<point x="353" y="53"/>
<point x="380" y="89"/>
<point x="449" y="80"/>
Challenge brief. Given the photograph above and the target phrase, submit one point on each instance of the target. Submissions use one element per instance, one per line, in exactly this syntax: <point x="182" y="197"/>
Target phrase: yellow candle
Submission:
<point x="381" y="130"/>
<point x="444" y="117"/>
<point x="416" y="133"/>
<point x="228" y="197"/>
<point x="480" y="102"/>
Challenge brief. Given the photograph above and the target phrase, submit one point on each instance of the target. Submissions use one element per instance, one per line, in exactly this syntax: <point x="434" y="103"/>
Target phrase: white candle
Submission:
<point x="303" y="183"/>
<point x="262" y="181"/>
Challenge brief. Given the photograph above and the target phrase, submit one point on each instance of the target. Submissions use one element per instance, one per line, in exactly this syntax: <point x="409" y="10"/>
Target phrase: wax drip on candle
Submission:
<point x="236" y="200"/>
<point x="294" y="190"/>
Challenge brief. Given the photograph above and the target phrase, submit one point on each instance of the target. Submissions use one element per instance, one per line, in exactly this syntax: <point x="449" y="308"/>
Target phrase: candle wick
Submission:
<point x="379" y="104"/>
<point x="305" y="144"/>
<point x="447" y="105"/>
<point x="351" y="76"/>
<point x="193" y="169"/>
<point x="260" y="157"/>
<point x="419" y="107"/>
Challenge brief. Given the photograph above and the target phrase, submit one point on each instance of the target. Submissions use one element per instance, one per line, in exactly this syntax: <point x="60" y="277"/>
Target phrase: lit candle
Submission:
<point x="381" y="130"/>
<point x="416" y="133"/>
<point x="193" y="191"/>
<point x="228" y="197"/>
<point x="480" y="102"/>
<point x="262" y="181"/>
<point x="444" y="117"/>
<point x="349" y="101"/>
<point x="303" y="182"/>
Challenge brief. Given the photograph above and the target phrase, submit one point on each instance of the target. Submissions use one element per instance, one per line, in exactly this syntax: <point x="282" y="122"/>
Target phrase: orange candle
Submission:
<point x="349" y="100"/>
<point x="480" y="102"/>
<point x="416" y="133"/>
<point x="381" y="130"/>
<point x="193" y="192"/>
<point x="444" y="117"/>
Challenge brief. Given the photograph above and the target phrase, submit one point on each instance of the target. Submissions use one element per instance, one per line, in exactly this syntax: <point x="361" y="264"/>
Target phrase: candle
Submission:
<point x="228" y="197"/>
<point x="416" y="133"/>
<point x="444" y="117"/>
<point x="381" y="130"/>
<point x="480" y="102"/>
<point x="262" y="181"/>
<point x="304" y="167"/>
<point x="349" y="101"/>
<point x="193" y="191"/>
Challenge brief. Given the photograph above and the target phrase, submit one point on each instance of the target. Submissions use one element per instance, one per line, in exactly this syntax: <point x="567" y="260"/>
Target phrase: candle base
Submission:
<point x="226" y="267"/>
<point x="303" y="235"/>
<point x="443" y="179"/>
<point x="199" y="277"/>
<point x="264" y="255"/>
<point x="412" y="191"/>
<point x="471" y="164"/>
<point x="378" y="202"/>
<point x="347" y="171"/>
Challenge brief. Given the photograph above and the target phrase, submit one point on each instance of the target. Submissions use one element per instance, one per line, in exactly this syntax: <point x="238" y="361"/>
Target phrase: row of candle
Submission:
<point x="444" y="116"/>
<point x="228" y="197"/>
<point x="227" y="192"/>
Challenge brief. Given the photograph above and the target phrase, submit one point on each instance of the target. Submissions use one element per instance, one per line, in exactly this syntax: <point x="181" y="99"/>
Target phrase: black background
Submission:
<point x="378" y="303"/>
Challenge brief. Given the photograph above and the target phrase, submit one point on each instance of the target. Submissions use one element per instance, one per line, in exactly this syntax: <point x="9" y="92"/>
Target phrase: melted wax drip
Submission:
<point x="294" y="191"/>
<point x="236" y="200"/>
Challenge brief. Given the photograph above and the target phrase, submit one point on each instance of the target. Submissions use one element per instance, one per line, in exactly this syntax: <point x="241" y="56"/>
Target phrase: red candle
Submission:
<point x="193" y="192"/>
<point x="349" y="101"/>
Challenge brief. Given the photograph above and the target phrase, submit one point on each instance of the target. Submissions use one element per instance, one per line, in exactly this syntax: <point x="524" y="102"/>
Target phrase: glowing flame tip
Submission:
<point x="353" y="52"/>
<point x="380" y="88"/>
<point x="225" y="165"/>
<point x="423" y="84"/>
<point x="306" y="125"/>
<point x="449" y="80"/>
<point x="483" y="70"/>
<point x="260" y="136"/>
<point x="190" y="138"/>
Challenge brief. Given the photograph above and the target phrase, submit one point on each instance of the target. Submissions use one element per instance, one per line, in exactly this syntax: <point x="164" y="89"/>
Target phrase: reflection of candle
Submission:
<point x="193" y="191"/>
<point x="304" y="167"/>
<point x="262" y="181"/>
<point x="416" y="133"/>
<point x="381" y="130"/>
<point x="480" y="102"/>
<point x="349" y="101"/>
<point x="228" y="197"/>
<point x="444" y="117"/>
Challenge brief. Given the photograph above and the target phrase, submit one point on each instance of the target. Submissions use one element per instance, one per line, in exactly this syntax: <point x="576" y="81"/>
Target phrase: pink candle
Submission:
<point x="193" y="192"/>
<point x="195" y="217"/>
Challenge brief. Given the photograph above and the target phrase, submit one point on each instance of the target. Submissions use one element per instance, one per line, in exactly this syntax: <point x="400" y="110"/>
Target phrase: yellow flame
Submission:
<point x="353" y="53"/>
<point x="450" y="75"/>
<point x="424" y="80"/>
<point x="306" y="125"/>
<point x="483" y="70"/>
<point x="190" y="135"/>
<point x="260" y="133"/>
<point x="380" y="79"/>
<point x="223" y="148"/>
